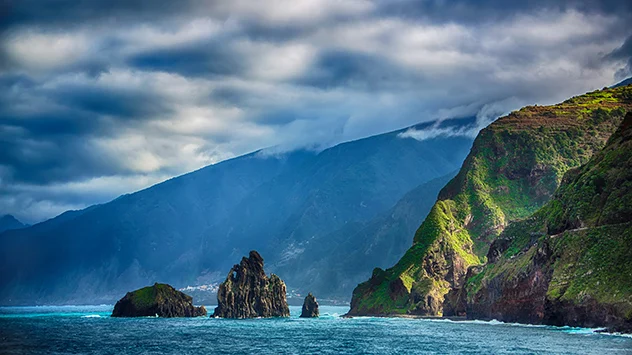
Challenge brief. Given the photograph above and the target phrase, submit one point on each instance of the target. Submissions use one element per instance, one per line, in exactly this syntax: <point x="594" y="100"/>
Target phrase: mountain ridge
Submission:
<point x="513" y="169"/>
<point x="568" y="264"/>
<point x="186" y="230"/>
<point x="9" y="222"/>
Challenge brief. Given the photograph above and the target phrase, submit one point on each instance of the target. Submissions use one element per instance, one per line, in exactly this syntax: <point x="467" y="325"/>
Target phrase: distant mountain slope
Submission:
<point x="335" y="263"/>
<point x="514" y="168"/>
<point x="8" y="222"/>
<point x="571" y="262"/>
<point x="625" y="82"/>
<point x="190" y="229"/>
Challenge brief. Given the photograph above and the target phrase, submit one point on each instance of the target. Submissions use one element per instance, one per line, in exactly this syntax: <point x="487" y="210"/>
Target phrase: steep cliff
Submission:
<point x="249" y="293"/>
<point x="513" y="169"/>
<point x="571" y="262"/>
<point x="158" y="300"/>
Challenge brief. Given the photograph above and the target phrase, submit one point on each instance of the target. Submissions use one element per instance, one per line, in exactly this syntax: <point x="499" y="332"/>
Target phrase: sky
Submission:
<point x="101" y="98"/>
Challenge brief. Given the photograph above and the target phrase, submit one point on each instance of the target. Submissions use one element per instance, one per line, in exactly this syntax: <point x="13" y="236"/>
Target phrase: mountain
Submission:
<point x="514" y="168"/>
<point x="188" y="230"/>
<point x="336" y="262"/>
<point x="625" y="82"/>
<point x="570" y="263"/>
<point x="8" y="222"/>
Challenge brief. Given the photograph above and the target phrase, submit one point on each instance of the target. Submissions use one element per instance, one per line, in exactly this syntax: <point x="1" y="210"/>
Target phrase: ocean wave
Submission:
<point x="495" y="322"/>
<point x="331" y="315"/>
<point x="91" y="316"/>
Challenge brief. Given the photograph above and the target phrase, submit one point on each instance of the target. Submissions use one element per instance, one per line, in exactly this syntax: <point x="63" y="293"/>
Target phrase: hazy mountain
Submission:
<point x="335" y="263"/>
<point x="625" y="82"/>
<point x="8" y="222"/>
<point x="191" y="229"/>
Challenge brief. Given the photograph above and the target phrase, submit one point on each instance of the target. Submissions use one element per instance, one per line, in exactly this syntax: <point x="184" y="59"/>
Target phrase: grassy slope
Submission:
<point x="588" y="225"/>
<point x="514" y="168"/>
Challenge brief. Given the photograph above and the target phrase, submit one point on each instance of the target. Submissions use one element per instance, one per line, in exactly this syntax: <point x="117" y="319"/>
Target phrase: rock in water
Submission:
<point x="161" y="300"/>
<point x="249" y="293"/>
<point x="310" y="307"/>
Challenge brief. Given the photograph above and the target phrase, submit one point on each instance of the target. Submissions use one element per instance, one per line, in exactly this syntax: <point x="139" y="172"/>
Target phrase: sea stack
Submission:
<point x="310" y="307"/>
<point x="160" y="300"/>
<point x="249" y="293"/>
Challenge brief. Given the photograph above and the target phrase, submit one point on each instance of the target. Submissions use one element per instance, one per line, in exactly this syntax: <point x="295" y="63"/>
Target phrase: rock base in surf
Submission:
<point x="310" y="307"/>
<point x="249" y="293"/>
<point x="160" y="300"/>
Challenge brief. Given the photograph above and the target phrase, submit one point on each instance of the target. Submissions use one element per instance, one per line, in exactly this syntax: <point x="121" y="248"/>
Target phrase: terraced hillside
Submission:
<point x="515" y="166"/>
<point x="571" y="262"/>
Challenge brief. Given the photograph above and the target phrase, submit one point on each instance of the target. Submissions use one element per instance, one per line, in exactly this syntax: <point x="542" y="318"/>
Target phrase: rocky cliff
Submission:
<point x="249" y="293"/>
<point x="158" y="300"/>
<point x="310" y="307"/>
<point x="571" y="262"/>
<point x="514" y="168"/>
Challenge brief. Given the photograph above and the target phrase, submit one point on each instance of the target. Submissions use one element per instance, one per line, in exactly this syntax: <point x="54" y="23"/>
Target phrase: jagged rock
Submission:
<point x="310" y="307"/>
<point x="249" y="293"/>
<point x="158" y="300"/>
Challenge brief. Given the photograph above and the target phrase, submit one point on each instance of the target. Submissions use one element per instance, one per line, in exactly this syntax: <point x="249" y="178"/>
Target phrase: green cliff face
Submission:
<point x="515" y="166"/>
<point x="570" y="263"/>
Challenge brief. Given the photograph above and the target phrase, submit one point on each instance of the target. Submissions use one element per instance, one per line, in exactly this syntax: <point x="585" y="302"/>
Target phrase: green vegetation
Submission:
<point x="586" y="231"/>
<point x="148" y="296"/>
<point x="514" y="168"/>
<point x="594" y="263"/>
<point x="144" y="297"/>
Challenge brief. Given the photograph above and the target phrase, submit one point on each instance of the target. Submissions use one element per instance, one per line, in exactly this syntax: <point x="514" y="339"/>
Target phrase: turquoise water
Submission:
<point x="89" y="329"/>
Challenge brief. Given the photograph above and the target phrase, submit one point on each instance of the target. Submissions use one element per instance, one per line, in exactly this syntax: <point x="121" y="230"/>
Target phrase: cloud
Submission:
<point x="623" y="53"/>
<point x="99" y="98"/>
<point x="435" y="131"/>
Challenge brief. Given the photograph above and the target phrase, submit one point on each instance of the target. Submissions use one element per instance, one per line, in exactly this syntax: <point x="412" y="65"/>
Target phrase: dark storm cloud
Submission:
<point x="200" y="59"/>
<point x="356" y="70"/>
<point x="56" y="159"/>
<point x="473" y="11"/>
<point x="122" y="103"/>
<point x="72" y="12"/>
<point x="69" y="12"/>
<point x="623" y="53"/>
<point x="99" y="98"/>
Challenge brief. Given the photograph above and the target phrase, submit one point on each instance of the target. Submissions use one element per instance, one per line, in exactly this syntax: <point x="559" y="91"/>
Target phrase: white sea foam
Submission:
<point x="91" y="316"/>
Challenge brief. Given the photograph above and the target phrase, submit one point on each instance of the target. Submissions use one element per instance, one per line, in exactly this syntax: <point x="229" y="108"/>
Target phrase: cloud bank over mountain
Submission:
<point x="102" y="98"/>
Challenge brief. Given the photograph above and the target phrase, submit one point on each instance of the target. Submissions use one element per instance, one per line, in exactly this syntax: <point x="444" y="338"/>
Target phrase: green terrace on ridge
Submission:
<point x="571" y="262"/>
<point x="513" y="169"/>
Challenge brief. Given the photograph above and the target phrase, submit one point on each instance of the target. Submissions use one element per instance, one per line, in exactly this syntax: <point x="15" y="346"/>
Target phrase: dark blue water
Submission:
<point x="89" y="329"/>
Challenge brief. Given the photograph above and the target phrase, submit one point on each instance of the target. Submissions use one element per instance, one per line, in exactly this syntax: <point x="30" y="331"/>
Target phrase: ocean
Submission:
<point x="91" y="330"/>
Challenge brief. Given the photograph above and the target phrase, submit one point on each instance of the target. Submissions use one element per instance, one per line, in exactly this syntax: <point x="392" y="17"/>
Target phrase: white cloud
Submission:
<point x="416" y="70"/>
<point x="276" y="62"/>
<point x="298" y="12"/>
<point x="39" y="51"/>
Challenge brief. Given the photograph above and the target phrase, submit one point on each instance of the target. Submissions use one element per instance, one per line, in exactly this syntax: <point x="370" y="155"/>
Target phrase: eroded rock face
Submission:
<point x="310" y="307"/>
<point x="160" y="300"/>
<point x="579" y="272"/>
<point x="249" y="293"/>
<point x="514" y="169"/>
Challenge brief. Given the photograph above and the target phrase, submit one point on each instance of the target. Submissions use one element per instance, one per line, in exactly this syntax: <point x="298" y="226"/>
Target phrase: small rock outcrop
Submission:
<point x="249" y="293"/>
<point x="310" y="307"/>
<point x="160" y="300"/>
